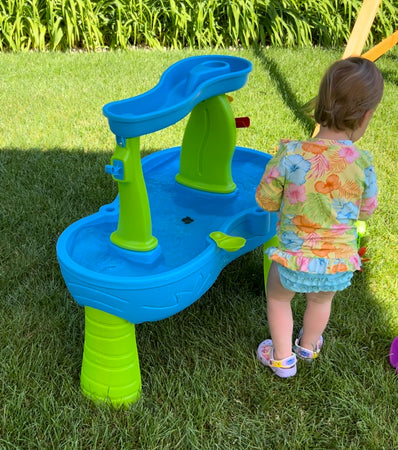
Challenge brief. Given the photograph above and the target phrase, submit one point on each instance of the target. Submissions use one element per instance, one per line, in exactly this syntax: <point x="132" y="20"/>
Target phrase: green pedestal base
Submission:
<point x="110" y="369"/>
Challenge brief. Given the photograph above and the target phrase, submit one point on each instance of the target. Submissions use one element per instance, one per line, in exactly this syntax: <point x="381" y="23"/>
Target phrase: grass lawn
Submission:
<point x="202" y="385"/>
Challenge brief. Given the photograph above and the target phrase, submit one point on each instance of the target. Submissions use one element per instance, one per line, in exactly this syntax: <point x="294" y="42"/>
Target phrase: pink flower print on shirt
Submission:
<point x="271" y="175"/>
<point x="349" y="154"/>
<point x="369" y="205"/>
<point x="297" y="253"/>
<point x="295" y="193"/>
<point x="303" y="262"/>
<point x="355" y="261"/>
<point x="340" y="228"/>
<point x="313" y="240"/>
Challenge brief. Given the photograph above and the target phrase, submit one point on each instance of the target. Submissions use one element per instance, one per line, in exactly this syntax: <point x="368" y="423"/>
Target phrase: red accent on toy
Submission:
<point x="361" y="253"/>
<point x="394" y="353"/>
<point x="242" y="122"/>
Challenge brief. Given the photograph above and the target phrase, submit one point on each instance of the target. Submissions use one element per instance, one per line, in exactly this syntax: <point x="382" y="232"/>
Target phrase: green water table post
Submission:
<point x="134" y="231"/>
<point x="110" y="369"/>
<point x="273" y="242"/>
<point x="208" y="147"/>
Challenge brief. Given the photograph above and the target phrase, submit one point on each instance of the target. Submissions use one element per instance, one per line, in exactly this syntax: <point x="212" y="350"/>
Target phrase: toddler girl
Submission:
<point x="320" y="188"/>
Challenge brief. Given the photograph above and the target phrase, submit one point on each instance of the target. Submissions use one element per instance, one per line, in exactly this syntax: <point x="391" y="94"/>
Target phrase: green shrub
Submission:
<point x="91" y="25"/>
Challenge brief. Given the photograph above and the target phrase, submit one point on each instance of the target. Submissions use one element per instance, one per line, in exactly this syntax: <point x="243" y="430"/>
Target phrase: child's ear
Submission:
<point x="363" y="124"/>
<point x="367" y="116"/>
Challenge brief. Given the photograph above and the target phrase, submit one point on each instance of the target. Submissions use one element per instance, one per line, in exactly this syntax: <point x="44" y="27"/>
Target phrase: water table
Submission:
<point x="181" y="215"/>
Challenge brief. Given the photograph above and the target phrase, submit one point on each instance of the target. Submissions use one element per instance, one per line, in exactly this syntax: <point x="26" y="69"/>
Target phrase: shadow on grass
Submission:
<point x="284" y="89"/>
<point x="198" y="366"/>
<point x="271" y="66"/>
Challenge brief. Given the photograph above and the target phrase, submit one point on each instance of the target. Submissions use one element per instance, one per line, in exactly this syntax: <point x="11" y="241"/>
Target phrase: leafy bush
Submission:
<point x="94" y="24"/>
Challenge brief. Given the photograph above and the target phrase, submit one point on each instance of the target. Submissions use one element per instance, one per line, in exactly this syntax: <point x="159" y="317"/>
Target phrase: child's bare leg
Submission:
<point x="279" y="313"/>
<point x="316" y="317"/>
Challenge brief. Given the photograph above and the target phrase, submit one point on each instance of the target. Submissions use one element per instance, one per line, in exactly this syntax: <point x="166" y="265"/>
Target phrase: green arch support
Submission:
<point x="208" y="147"/>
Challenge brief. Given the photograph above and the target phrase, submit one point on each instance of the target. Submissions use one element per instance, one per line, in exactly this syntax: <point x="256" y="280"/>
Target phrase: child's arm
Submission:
<point x="369" y="196"/>
<point x="269" y="192"/>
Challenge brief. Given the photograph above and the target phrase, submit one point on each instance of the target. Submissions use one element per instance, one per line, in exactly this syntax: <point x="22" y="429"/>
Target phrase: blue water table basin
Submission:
<point x="181" y="215"/>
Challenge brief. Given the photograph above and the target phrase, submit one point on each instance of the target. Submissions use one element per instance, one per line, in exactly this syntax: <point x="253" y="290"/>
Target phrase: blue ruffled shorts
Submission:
<point x="313" y="282"/>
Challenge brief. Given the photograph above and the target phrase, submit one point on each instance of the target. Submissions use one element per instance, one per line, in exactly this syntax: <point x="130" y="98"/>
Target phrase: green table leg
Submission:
<point x="110" y="369"/>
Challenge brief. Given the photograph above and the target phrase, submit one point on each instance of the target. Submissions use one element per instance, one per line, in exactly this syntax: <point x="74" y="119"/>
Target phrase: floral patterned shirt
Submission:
<point x="320" y="188"/>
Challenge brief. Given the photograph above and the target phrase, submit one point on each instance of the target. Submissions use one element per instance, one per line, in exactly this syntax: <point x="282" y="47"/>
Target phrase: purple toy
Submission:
<point x="394" y="353"/>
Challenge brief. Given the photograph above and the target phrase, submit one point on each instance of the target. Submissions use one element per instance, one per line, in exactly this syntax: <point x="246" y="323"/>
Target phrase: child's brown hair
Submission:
<point x="349" y="88"/>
